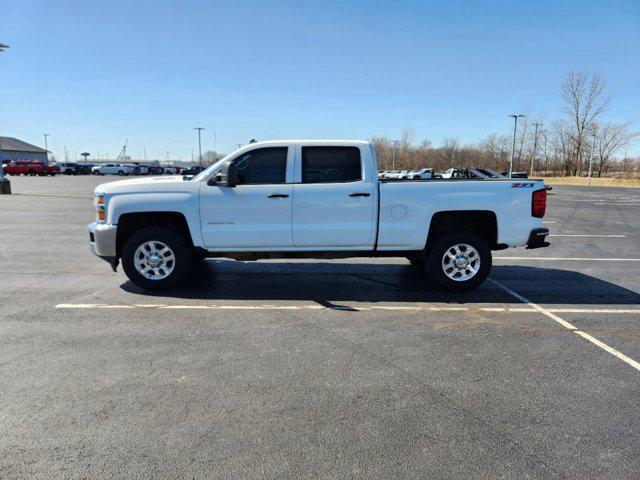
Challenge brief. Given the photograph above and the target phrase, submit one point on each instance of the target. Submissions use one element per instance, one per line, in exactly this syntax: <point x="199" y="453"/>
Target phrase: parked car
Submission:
<point x="68" y="168"/>
<point x="112" y="169"/>
<point x="141" y="170"/>
<point x="84" y="168"/>
<point x="191" y="170"/>
<point x="20" y="167"/>
<point x="312" y="199"/>
<point x="170" y="170"/>
<point x="156" y="170"/>
<point x="424" y="174"/>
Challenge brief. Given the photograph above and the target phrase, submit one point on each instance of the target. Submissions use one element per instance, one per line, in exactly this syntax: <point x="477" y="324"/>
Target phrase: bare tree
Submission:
<point x="584" y="100"/>
<point x="449" y="151"/>
<point x="610" y="139"/>
<point x="211" y="156"/>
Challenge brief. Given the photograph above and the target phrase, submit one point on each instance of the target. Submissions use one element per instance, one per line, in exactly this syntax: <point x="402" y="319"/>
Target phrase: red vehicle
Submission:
<point x="24" y="167"/>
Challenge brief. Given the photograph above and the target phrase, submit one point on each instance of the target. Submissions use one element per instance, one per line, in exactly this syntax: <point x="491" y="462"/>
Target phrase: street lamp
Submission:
<point x="593" y="144"/>
<point x="515" y="117"/>
<point x="393" y="158"/>
<point x="5" y="185"/>
<point x="46" y="147"/>
<point x="199" y="129"/>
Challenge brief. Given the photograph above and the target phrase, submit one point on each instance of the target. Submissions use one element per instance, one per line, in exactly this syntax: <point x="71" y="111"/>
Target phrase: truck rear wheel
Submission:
<point x="156" y="258"/>
<point x="458" y="262"/>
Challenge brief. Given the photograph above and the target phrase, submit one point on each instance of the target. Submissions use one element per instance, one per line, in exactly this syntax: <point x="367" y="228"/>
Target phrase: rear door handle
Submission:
<point x="360" y="194"/>
<point x="278" y="195"/>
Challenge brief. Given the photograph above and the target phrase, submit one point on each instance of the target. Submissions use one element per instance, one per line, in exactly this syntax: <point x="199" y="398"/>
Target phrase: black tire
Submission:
<point x="175" y="241"/>
<point x="121" y="173"/>
<point x="439" y="247"/>
<point x="96" y="172"/>
<point x="417" y="260"/>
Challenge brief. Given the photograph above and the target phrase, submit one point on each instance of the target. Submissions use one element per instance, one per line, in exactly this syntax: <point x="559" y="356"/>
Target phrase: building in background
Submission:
<point x="14" y="149"/>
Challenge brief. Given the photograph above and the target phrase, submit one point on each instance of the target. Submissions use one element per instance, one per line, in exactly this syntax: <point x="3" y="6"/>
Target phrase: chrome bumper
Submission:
<point x="102" y="240"/>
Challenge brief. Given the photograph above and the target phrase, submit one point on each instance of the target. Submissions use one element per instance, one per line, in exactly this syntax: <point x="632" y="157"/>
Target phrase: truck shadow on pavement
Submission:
<point x="327" y="282"/>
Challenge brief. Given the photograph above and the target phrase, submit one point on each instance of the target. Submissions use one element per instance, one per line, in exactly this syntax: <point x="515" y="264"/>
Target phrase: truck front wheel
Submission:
<point x="458" y="262"/>
<point x="156" y="258"/>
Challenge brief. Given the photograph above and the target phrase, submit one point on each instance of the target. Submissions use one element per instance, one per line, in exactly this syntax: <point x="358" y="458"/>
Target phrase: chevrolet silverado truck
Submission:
<point x="312" y="199"/>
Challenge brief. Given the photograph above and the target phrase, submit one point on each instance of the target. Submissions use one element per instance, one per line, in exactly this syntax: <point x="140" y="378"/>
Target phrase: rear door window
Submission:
<point x="331" y="164"/>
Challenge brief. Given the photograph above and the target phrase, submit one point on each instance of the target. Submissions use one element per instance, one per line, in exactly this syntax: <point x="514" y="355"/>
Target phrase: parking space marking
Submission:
<point x="571" y="259"/>
<point x="612" y="203"/>
<point x="635" y="311"/>
<point x="581" y="235"/>
<point x="569" y="326"/>
<point x="405" y="308"/>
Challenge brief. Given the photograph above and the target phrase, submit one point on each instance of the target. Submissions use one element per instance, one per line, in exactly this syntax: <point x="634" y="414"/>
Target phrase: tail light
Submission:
<point x="539" y="203"/>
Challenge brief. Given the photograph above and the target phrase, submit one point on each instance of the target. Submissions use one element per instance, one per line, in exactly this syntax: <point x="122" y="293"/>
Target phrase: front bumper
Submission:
<point x="102" y="241"/>
<point x="537" y="238"/>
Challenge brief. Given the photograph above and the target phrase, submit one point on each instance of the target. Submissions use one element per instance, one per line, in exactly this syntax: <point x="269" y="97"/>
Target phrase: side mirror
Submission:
<point x="226" y="176"/>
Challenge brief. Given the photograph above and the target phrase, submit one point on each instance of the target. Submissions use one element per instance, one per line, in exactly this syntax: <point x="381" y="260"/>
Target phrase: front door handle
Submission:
<point x="278" y="195"/>
<point x="360" y="194"/>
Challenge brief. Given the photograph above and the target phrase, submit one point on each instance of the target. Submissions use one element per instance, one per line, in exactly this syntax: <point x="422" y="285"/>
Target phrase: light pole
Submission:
<point x="5" y="185"/>
<point x="46" y="146"/>
<point x="515" y="117"/>
<point x="199" y="129"/>
<point x="393" y="158"/>
<point x="593" y="144"/>
<point x="535" y="146"/>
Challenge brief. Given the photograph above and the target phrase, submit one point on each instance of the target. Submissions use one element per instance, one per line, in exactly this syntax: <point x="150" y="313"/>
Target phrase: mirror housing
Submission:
<point x="226" y="176"/>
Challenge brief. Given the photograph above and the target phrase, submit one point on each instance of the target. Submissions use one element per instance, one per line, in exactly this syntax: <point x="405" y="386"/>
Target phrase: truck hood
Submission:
<point x="146" y="184"/>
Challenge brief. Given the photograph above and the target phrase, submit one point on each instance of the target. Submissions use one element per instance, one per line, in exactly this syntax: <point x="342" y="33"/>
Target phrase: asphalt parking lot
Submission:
<point x="354" y="368"/>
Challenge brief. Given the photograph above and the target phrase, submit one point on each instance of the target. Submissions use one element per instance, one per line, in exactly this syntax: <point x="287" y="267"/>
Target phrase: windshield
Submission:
<point x="208" y="170"/>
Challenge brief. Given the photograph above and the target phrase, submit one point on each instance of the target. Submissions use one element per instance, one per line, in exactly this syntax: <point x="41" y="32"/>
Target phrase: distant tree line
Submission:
<point x="561" y="147"/>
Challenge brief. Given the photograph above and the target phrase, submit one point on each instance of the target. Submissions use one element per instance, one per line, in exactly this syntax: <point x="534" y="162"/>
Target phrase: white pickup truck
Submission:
<point x="313" y="199"/>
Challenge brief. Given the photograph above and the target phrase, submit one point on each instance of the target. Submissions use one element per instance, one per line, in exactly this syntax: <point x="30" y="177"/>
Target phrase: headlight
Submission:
<point x="101" y="208"/>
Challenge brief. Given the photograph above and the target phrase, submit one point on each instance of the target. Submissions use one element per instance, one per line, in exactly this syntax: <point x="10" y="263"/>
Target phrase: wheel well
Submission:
<point x="130" y="223"/>
<point x="480" y="222"/>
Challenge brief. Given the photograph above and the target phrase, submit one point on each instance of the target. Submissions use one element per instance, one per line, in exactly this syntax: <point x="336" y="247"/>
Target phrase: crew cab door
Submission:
<point x="333" y="197"/>
<point x="256" y="213"/>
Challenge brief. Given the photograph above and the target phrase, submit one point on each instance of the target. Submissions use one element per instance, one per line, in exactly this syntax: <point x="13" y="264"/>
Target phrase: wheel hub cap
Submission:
<point x="461" y="262"/>
<point x="154" y="260"/>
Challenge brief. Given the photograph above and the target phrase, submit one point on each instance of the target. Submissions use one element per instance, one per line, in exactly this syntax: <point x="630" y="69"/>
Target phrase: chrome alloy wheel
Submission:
<point x="461" y="262"/>
<point x="154" y="260"/>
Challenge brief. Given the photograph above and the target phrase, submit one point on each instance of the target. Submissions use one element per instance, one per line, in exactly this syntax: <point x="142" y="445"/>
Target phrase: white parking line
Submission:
<point x="635" y="311"/>
<point x="345" y="307"/>
<point x="613" y="203"/>
<point x="569" y="326"/>
<point x="571" y="259"/>
<point x="572" y="235"/>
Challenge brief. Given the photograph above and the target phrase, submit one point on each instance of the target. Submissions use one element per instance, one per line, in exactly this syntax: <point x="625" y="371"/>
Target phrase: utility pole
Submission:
<point x="199" y="129"/>
<point x="215" y="141"/>
<point x="393" y="158"/>
<point x="46" y="146"/>
<point x="5" y="185"/>
<point x="535" y="146"/>
<point x="515" y="117"/>
<point x="593" y="144"/>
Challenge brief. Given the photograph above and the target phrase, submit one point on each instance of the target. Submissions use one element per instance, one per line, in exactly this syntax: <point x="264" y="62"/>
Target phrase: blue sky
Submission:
<point x="94" y="73"/>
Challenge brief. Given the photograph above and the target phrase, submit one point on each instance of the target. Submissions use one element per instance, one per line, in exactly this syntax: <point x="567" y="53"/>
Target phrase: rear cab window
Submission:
<point x="327" y="164"/>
